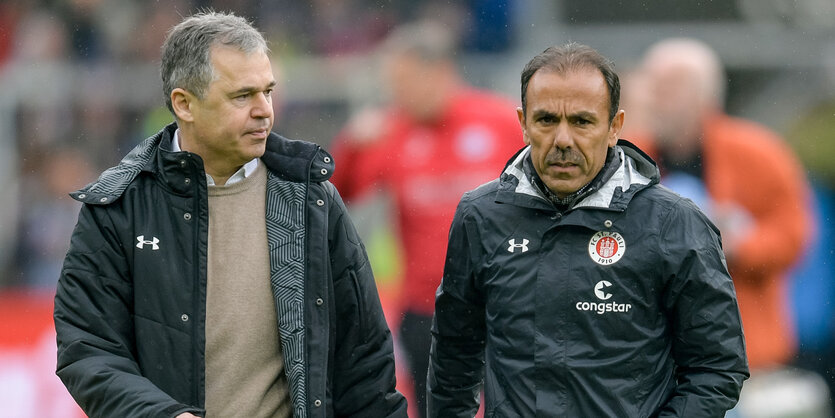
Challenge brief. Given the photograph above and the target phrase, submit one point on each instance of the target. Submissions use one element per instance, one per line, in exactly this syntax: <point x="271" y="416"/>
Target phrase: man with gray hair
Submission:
<point x="743" y="175"/>
<point x="214" y="270"/>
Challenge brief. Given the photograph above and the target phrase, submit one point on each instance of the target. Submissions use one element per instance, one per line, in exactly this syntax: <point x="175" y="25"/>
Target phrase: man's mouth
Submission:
<point x="562" y="168"/>
<point x="261" y="133"/>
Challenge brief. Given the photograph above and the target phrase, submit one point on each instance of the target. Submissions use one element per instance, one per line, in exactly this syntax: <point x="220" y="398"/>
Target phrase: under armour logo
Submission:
<point x="154" y="243"/>
<point x="598" y="290"/>
<point x="513" y="245"/>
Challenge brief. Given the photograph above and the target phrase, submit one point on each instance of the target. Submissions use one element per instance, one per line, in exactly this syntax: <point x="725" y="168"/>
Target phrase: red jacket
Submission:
<point x="427" y="168"/>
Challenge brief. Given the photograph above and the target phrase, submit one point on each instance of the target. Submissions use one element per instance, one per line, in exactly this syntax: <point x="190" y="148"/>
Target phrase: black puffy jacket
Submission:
<point x="130" y="304"/>
<point x="621" y="306"/>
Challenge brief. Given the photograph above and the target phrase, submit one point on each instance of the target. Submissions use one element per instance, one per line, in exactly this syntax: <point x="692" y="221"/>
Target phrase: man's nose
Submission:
<point x="263" y="106"/>
<point x="562" y="136"/>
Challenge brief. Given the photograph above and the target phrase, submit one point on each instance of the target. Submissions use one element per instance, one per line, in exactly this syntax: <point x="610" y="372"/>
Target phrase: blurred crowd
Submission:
<point x="62" y="140"/>
<point x="56" y="142"/>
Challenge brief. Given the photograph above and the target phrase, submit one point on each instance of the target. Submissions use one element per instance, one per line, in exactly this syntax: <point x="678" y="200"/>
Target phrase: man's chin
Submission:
<point x="258" y="147"/>
<point x="253" y="152"/>
<point x="563" y="187"/>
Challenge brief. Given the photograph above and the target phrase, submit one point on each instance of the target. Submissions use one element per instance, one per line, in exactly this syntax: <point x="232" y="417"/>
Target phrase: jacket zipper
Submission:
<point x="197" y="313"/>
<point x="306" y="209"/>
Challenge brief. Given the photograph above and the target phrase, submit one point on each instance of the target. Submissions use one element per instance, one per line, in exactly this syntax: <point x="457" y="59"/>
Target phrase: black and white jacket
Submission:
<point x="619" y="306"/>
<point x="130" y="304"/>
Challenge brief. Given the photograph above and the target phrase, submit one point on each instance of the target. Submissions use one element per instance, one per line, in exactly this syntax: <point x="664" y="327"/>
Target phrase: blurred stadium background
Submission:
<point x="79" y="86"/>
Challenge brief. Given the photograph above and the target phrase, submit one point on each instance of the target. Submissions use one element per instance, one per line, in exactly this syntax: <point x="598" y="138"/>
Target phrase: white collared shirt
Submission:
<point x="239" y="175"/>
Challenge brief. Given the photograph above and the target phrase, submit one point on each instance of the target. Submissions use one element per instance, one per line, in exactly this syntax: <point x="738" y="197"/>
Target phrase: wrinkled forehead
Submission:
<point x="580" y="85"/>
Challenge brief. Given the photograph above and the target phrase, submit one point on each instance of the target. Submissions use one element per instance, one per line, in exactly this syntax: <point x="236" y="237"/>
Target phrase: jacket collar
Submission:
<point x="292" y="160"/>
<point x="635" y="172"/>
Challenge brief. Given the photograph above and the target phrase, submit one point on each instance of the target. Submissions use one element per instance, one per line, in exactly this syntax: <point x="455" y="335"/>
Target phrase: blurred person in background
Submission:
<point x="743" y="176"/>
<point x="11" y="12"/>
<point x="48" y="219"/>
<point x="214" y="271"/>
<point x="574" y="284"/>
<point x="436" y="139"/>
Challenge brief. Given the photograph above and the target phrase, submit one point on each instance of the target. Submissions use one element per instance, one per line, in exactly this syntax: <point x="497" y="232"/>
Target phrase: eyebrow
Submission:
<point x="540" y="113"/>
<point x="249" y="89"/>
<point x="581" y="114"/>
<point x="584" y="115"/>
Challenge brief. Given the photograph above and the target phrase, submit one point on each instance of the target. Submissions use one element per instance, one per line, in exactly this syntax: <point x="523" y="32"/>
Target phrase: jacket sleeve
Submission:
<point x="456" y="366"/>
<point x="94" y="326"/>
<point x="781" y="218"/>
<point x="360" y="165"/>
<point x="364" y="371"/>
<point x="707" y="340"/>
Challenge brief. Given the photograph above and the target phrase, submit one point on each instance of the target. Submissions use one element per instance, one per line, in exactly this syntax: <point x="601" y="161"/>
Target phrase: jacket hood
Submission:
<point x="293" y="160"/>
<point x="636" y="171"/>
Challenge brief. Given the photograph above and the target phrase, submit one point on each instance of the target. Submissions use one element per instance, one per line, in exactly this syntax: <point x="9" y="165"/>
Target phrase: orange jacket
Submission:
<point x="750" y="166"/>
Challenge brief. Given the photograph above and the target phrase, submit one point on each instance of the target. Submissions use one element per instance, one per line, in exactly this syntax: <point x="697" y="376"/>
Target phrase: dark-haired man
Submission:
<point x="574" y="284"/>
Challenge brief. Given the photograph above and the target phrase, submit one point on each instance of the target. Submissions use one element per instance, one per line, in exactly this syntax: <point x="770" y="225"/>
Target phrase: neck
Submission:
<point x="445" y="89"/>
<point x="218" y="168"/>
<point x="682" y="148"/>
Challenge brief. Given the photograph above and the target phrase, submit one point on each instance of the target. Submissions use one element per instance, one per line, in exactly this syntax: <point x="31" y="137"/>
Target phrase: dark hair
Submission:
<point x="186" y="60"/>
<point x="574" y="56"/>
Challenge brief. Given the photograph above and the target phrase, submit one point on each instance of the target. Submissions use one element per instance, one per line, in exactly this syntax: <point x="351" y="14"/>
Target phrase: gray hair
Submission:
<point x="186" y="59"/>
<point x="428" y="40"/>
<point x="699" y="59"/>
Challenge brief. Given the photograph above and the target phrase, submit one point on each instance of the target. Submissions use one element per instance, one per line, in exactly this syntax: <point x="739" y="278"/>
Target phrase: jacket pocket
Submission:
<point x="361" y="303"/>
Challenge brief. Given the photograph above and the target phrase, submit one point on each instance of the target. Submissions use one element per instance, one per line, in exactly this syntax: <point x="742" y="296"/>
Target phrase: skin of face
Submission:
<point x="675" y="102"/>
<point x="567" y="126"/>
<point x="685" y="86"/>
<point x="417" y="86"/>
<point x="230" y="125"/>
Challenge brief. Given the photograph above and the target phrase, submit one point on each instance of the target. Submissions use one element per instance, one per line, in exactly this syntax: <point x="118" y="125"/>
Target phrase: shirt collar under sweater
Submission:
<point x="239" y="175"/>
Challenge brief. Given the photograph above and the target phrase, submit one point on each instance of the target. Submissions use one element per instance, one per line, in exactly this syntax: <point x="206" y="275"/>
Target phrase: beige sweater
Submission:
<point x="244" y="364"/>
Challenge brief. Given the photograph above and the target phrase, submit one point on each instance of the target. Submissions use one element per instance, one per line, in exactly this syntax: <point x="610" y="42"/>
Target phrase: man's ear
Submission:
<point x="181" y="101"/>
<point x="616" y="127"/>
<point x="521" y="115"/>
